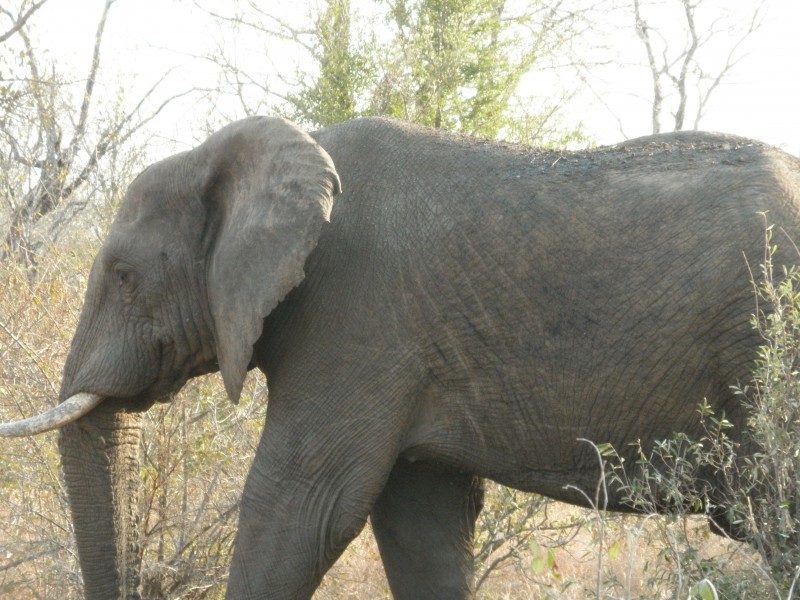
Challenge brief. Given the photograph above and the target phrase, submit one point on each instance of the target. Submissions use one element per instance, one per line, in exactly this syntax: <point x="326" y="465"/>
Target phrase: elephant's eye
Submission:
<point x="124" y="277"/>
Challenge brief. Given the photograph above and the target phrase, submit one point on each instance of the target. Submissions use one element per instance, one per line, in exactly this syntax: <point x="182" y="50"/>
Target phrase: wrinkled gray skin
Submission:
<point x="470" y="311"/>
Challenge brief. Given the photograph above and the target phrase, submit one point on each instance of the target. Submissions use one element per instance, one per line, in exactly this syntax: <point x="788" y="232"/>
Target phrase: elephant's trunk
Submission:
<point x="100" y="457"/>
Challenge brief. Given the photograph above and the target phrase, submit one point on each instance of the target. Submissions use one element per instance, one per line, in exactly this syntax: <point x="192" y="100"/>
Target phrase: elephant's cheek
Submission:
<point x="100" y="459"/>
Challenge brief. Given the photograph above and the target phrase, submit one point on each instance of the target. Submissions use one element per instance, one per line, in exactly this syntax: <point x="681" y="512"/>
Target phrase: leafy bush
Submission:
<point x="771" y="513"/>
<point x="756" y="479"/>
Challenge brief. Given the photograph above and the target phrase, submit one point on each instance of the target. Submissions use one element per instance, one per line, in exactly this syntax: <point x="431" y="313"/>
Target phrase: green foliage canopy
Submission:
<point x="451" y="64"/>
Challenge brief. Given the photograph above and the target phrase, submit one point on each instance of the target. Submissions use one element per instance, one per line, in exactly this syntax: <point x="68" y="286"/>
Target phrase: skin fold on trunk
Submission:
<point x="100" y="456"/>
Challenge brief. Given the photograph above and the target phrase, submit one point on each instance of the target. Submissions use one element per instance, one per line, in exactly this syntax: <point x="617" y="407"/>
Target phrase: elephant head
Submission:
<point x="205" y="244"/>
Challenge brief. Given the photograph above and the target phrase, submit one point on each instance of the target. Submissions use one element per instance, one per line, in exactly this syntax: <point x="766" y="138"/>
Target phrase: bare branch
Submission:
<point x="681" y="72"/>
<point x="283" y="31"/>
<point x="80" y="128"/>
<point x="62" y="167"/>
<point x="688" y="58"/>
<point x="44" y="107"/>
<point x="730" y="62"/>
<point x="20" y="20"/>
<point x="643" y="31"/>
<point x="114" y="136"/>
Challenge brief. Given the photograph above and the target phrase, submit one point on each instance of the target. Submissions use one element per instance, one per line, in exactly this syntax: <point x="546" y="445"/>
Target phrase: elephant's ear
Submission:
<point x="268" y="189"/>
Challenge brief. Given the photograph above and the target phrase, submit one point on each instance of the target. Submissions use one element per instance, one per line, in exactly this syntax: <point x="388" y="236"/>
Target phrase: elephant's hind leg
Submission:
<point x="424" y="521"/>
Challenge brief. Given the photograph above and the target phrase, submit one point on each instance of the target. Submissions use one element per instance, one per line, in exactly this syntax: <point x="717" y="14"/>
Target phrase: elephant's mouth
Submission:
<point x="161" y="392"/>
<point x="140" y="403"/>
<point x="158" y="383"/>
<point x="166" y="387"/>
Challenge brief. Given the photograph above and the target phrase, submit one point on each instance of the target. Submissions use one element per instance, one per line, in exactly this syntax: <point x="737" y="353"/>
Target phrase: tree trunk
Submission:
<point x="100" y="456"/>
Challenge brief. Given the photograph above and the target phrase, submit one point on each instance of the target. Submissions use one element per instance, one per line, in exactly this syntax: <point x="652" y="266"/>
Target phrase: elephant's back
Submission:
<point x="389" y="166"/>
<point x="558" y="241"/>
<point x="422" y="194"/>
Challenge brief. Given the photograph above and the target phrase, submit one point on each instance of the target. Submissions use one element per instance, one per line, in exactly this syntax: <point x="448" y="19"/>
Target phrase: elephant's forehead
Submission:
<point x="159" y="207"/>
<point x="162" y="186"/>
<point x="134" y="242"/>
<point x="151" y="230"/>
<point x="142" y="215"/>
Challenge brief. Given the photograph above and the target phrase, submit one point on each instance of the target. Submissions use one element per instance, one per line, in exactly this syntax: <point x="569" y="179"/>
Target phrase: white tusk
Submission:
<point x="72" y="409"/>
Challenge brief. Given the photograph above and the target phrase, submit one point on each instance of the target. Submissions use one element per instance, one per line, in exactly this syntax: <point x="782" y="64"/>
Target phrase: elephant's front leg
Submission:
<point x="424" y="521"/>
<point x="308" y="494"/>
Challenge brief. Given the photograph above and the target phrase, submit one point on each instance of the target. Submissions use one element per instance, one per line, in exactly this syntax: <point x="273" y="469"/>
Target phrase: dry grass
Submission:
<point x="37" y="315"/>
<point x="638" y="562"/>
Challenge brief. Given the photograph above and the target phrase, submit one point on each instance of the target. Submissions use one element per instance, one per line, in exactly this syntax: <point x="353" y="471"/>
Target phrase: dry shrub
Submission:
<point x="38" y="312"/>
<point x="195" y="456"/>
<point x="197" y="451"/>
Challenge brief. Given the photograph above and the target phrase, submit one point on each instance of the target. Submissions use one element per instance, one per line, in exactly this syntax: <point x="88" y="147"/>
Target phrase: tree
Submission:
<point x="55" y="133"/>
<point x="449" y="64"/>
<point x="454" y="64"/>
<point x="332" y="97"/>
<point x="682" y="78"/>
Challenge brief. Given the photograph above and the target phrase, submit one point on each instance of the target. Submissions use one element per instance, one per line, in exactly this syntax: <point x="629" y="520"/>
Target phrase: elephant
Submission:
<point x="430" y="311"/>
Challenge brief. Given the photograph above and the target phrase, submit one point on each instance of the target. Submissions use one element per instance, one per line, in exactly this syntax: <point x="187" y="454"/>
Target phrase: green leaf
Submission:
<point x="538" y="559"/>
<point x="552" y="565"/>
<point x="703" y="590"/>
<point x="614" y="550"/>
<point x="606" y="450"/>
